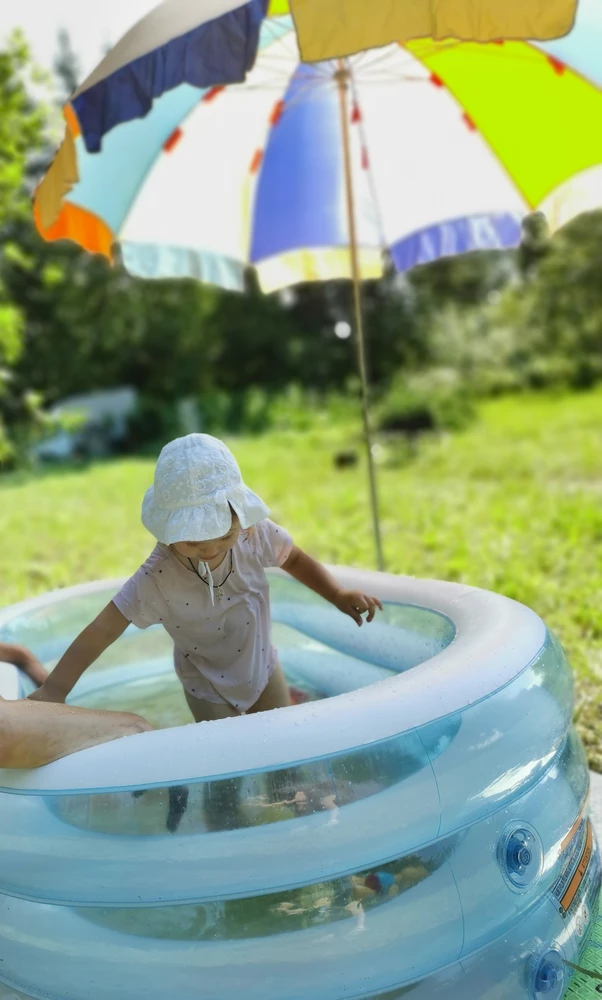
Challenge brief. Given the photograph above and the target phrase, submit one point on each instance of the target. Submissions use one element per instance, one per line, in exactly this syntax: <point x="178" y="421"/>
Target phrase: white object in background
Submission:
<point x="104" y="417"/>
<point x="10" y="684"/>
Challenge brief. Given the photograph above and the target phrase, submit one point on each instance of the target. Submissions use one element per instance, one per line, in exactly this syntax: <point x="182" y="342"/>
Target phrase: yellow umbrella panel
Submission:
<point x="329" y="29"/>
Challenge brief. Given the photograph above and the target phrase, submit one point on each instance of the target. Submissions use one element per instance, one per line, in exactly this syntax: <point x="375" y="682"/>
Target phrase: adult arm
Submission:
<point x="33" y="734"/>
<point x="25" y="660"/>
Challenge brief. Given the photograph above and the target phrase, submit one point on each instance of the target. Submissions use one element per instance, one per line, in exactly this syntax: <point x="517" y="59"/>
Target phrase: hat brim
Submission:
<point x="206" y="522"/>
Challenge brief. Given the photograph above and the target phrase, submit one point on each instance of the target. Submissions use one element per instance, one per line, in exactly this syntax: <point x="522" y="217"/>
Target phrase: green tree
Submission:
<point x="543" y="329"/>
<point x="66" y="66"/>
<point x="21" y="137"/>
<point x="564" y="317"/>
<point x="535" y="246"/>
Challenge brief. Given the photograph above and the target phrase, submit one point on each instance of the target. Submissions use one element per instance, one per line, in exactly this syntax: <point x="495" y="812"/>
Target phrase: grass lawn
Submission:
<point x="514" y="505"/>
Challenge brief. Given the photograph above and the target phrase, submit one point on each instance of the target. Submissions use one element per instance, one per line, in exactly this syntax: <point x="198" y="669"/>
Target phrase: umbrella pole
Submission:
<point x="342" y="78"/>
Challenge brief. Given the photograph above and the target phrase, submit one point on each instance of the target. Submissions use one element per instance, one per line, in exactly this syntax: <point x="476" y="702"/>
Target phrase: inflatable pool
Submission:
<point x="416" y="825"/>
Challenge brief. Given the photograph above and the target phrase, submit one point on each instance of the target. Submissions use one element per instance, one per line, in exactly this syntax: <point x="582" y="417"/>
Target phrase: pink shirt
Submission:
<point x="223" y="651"/>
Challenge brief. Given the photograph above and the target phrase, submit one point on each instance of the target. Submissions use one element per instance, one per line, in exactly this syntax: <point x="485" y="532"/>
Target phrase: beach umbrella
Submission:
<point x="325" y="170"/>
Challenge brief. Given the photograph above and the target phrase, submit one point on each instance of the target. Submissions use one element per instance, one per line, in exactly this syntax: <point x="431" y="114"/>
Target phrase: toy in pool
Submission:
<point x="417" y="827"/>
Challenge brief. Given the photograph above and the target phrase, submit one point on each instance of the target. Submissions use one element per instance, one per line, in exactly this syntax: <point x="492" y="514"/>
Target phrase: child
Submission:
<point x="205" y="582"/>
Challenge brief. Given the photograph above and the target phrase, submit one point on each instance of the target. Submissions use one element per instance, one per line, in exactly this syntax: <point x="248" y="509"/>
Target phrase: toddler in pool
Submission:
<point x="205" y="582"/>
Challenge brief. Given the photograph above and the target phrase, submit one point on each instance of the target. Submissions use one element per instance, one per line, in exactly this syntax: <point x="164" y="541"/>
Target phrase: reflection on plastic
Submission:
<point x="460" y="843"/>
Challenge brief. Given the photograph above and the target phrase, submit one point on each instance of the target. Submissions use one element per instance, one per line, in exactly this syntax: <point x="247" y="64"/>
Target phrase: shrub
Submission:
<point x="434" y="400"/>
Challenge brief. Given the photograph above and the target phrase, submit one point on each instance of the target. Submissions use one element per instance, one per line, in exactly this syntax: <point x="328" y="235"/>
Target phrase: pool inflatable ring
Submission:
<point x="417" y="825"/>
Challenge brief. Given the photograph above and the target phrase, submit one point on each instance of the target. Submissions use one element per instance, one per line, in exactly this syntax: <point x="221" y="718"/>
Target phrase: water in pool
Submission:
<point x="257" y="800"/>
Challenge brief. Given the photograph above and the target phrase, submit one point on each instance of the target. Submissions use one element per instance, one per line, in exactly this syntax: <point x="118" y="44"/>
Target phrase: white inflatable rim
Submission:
<point x="495" y="640"/>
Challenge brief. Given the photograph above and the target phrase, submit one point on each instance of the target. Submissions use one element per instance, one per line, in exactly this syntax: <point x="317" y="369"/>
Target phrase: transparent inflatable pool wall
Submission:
<point x="426" y="836"/>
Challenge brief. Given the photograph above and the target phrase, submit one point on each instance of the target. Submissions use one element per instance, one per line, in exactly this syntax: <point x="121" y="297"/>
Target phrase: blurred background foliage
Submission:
<point x="440" y="338"/>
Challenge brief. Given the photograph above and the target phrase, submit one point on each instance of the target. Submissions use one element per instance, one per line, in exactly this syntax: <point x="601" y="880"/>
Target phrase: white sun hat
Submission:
<point x="197" y="485"/>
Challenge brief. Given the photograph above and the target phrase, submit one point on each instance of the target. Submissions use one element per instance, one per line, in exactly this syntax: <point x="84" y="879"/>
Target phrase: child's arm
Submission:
<point x="24" y="660"/>
<point x="88" y="646"/>
<point x="313" y="575"/>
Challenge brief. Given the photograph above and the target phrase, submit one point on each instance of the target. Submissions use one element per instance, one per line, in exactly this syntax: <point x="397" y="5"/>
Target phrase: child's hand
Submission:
<point x="355" y="604"/>
<point x="315" y="576"/>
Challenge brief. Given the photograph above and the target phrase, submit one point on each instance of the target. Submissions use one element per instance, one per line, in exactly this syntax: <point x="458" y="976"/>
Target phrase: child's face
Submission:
<point x="208" y="551"/>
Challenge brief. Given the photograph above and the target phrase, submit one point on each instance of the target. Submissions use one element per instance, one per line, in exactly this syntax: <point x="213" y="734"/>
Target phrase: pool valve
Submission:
<point x="548" y="977"/>
<point x="520" y="854"/>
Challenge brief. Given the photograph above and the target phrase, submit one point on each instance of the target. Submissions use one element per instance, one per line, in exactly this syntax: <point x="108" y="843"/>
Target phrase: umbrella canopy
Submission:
<point x="452" y="144"/>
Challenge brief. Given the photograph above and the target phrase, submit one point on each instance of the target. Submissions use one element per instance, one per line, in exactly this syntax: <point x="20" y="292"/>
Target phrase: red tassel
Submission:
<point x="356" y="115"/>
<point x="468" y="121"/>
<point x="556" y="65"/>
<point x="173" y="140"/>
<point x="211" y="94"/>
<point x="256" y="161"/>
<point x="436" y="80"/>
<point x="277" y="112"/>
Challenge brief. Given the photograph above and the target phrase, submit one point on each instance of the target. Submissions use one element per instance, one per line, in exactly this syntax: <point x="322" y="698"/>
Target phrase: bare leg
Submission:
<point x="206" y="711"/>
<point x="276" y="694"/>
<point x="222" y="798"/>
<point x="202" y="711"/>
<point x="34" y="733"/>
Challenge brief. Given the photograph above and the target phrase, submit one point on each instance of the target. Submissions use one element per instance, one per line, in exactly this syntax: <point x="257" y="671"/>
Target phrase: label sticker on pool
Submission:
<point x="578" y="871"/>
<point x="573" y="894"/>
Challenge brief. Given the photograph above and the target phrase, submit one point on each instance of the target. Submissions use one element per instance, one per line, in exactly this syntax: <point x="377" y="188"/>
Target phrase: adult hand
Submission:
<point x="128" y="724"/>
<point x="355" y="604"/>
